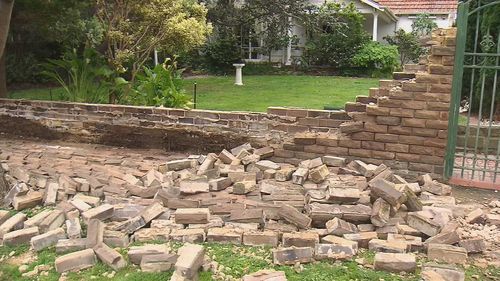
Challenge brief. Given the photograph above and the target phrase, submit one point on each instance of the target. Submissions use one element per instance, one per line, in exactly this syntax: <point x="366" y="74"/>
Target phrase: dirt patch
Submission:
<point x="25" y="258"/>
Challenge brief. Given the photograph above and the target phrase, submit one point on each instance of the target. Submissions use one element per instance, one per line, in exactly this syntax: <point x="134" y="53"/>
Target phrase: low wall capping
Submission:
<point x="402" y="124"/>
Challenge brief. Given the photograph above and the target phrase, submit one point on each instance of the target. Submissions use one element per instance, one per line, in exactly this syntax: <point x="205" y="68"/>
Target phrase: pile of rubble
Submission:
<point x="321" y="209"/>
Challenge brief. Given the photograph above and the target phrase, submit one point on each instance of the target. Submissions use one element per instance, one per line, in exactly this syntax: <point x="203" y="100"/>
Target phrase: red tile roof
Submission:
<point x="404" y="7"/>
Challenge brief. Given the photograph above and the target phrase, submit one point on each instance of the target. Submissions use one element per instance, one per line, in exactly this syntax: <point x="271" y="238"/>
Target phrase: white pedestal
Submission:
<point x="239" y="76"/>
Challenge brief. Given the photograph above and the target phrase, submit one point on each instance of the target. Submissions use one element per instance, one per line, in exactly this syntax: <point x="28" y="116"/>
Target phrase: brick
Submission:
<point x="192" y="215"/>
<point x="473" y="245"/>
<point x="136" y="253"/>
<point x="243" y="187"/>
<point x="293" y="216"/>
<point x="384" y="246"/>
<point x="260" y="238"/>
<point x="319" y="174"/>
<point x="414" y="243"/>
<point x="110" y="257"/>
<point x="362" y="238"/>
<point x="447" y="253"/>
<point x="12" y="223"/>
<point x="394" y="262"/>
<point x="448" y="238"/>
<point x="340" y="227"/>
<point x="219" y="184"/>
<point x="376" y="110"/>
<point x="300" y="175"/>
<point x="360" y="152"/>
<point x="437" y="124"/>
<point x="344" y="195"/>
<point x="423" y="224"/>
<point x="388" y="120"/>
<point x="194" y="186"/>
<point x="327" y="141"/>
<point x="177" y="165"/>
<point x="95" y="233"/>
<point x="70" y="245"/>
<point x="376" y="128"/>
<point x="381" y="212"/>
<point x="20" y="236"/>
<point x="224" y="235"/>
<point x="158" y="263"/>
<point x="103" y="212"/>
<point x="47" y="239"/>
<point x="414" y="122"/>
<point x="341" y="246"/>
<point x="29" y="200"/>
<point x="195" y="235"/>
<point x="387" y="155"/>
<point x="372" y="145"/>
<point x="293" y="255"/>
<point x="190" y="260"/>
<point x="386" y="190"/>
<point x="397" y="147"/>
<point x="54" y="220"/>
<point x="363" y="136"/>
<point x="76" y="261"/>
<point x="333" y="161"/>
<point x="440" y="69"/>
<point x="300" y="239"/>
<point x="438" y="272"/>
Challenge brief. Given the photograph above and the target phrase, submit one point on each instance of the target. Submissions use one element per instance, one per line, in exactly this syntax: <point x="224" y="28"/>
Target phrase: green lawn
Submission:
<point x="259" y="92"/>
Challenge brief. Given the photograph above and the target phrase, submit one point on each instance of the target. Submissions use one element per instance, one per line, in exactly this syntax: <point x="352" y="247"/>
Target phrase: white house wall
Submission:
<point x="443" y="21"/>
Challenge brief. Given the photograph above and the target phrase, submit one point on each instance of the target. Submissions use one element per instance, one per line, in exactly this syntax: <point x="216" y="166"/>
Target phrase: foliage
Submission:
<point x="423" y="25"/>
<point x="378" y="58"/>
<point x="336" y="34"/>
<point x="135" y="28"/>
<point x="408" y="46"/>
<point x="160" y="86"/>
<point x="220" y="52"/>
<point x="84" y="79"/>
<point x="42" y="30"/>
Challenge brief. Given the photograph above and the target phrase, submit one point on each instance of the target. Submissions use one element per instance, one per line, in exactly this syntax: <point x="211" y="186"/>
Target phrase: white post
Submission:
<point x="239" y="75"/>
<point x="289" y="47"/>
<point x="375" y="26"/>
<point x="156" y="57"/>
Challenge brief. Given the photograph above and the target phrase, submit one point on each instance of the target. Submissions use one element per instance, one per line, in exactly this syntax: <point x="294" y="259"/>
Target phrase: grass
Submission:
<point x="237" y="261"/>
<point x="258" y="93"/>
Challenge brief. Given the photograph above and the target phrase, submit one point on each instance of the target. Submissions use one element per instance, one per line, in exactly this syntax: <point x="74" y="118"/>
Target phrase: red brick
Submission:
<point x="442" y="134"/>
<point x="419" y="149"/>
<point x="431" y="159"/>
<point x="412" y="140"/>
<point x="435" y="142"/>
<point x="424" y="132"/>
<point x="437" y="124"/>
<point x="308" y="121"/>
<point x="373" y="145"/>
<point x="414" y="87"/>
<point x="383" y="155"/>
<point x="376" y="110"/>
<point x="402" y="112"/>
<point x="407" y="157"/>
<point x="337" y="150"/>
<point x="350" y="143"/>
<point x="399" y="130"/>
<point x="426" y="168"/>
<point x="438" y="106"/>
<point x="444" y="115"/>
<point x="360" y="152"/>
<point x="363" y="136"/>
<point x="387" y="137"/>
<point x="315" y="148"/>
<point x="327" y="141"/>
<point x="375" y="128"/>
<point x="440" y="88"/>
<point x="388" y="120"/>
<point x="427" y="114"/>
<point x="413" y="122"/>
<point x="296" y="112"/>
<point x="397" y="147"/>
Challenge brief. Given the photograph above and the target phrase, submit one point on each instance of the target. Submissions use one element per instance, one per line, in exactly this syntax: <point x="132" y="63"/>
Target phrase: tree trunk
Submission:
<point x="5" y="14"/>
<point x="3" y="77"/>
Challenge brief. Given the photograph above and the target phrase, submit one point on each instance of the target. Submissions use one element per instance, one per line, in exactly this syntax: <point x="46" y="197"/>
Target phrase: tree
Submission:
<point x="423" y="25"/>
<point x="408" y="46"/>
<point x="135" y="28"/>
<point x="6" y="7"/>
<point x="335" y="34"/>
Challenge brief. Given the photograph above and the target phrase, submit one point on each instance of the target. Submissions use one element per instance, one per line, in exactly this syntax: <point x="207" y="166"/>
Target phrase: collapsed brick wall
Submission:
<point x="402" y="124"/>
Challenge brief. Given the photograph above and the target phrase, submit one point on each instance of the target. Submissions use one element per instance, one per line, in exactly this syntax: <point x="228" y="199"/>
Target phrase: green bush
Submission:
<point x="377" y="58"/>
<point x="23" y="69"/>
<point x="160" y="86"/>
<point x="408" y="46"/>
<point x="220" y="53"/>
<point x="336" y="34"/>
<point x="84" y="79"/>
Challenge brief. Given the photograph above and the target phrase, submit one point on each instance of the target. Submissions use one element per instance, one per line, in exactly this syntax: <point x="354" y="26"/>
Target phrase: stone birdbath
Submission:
<point x="239" y="76"/>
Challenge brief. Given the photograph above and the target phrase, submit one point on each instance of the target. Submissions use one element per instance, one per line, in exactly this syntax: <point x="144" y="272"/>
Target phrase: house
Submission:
<point x="382" y="18"/>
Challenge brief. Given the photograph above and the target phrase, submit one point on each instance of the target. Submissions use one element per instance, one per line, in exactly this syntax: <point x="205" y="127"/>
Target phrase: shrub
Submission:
<point x="379" y="59"/>
<point x="84" y="79"/>
<point x="220" y="53"/>
<point x="159" y="86"/>
<point x="23" y="69"/>
<point x="336" y="35"/>
<point x="408" y="46"/>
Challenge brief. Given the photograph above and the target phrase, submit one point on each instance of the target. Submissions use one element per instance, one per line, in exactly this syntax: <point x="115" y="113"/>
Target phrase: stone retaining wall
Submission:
<point x="402" y="124"/>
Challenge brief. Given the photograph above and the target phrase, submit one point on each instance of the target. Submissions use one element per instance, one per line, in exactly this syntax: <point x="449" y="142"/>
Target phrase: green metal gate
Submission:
<point x="473" y="151"/>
